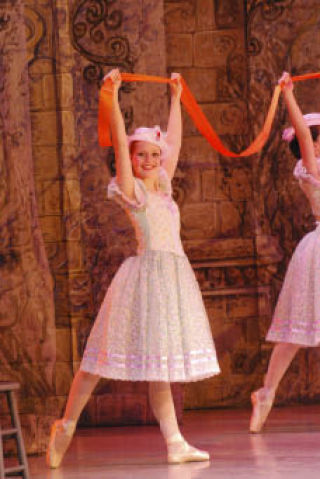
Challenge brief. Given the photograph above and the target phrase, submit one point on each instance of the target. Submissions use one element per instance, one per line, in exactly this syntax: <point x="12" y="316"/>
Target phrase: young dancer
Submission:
<point x="296" y="320"/>
<point x="152" y="325"/>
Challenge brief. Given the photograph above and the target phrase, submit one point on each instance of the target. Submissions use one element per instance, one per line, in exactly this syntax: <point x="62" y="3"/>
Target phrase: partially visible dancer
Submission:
<point x="152" y="325"/>
<point x="296" y="320"/>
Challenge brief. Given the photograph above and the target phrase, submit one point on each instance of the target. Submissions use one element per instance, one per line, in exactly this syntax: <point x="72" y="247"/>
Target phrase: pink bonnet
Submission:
<point x="311" y="119"/>
<point x="150" y="135"/>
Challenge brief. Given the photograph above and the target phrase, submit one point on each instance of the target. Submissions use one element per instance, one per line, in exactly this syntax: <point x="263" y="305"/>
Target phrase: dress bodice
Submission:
<point x="309" y="185"/>
<point x="155" y="215"/>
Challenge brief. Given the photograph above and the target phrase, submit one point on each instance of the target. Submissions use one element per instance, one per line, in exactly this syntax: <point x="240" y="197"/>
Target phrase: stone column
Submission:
<point x="27" y="329"/>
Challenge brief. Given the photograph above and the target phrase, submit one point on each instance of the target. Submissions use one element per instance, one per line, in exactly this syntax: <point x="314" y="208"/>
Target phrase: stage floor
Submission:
<point x="289" y="447"/>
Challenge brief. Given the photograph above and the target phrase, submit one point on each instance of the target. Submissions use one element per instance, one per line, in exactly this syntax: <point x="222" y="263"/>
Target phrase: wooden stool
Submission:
<point x="21" y="469"/>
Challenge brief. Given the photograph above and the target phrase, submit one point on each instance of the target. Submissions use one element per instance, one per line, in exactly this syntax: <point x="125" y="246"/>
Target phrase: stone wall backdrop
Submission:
<point x="27" y="321"/>
<point x="241" y="219"/>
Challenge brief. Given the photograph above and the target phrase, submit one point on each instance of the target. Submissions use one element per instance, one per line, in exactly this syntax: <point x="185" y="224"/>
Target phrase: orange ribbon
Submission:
<point x="194" y="110"/>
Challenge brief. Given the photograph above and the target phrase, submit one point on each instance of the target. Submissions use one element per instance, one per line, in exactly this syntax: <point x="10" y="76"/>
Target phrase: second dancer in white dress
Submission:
<point x="296" y="320"/>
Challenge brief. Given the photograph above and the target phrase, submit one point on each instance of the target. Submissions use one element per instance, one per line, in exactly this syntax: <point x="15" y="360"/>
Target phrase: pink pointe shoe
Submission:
<point x="262" y="401"/>
<point x="181" y="451"/>
<point x="61" y="434"/>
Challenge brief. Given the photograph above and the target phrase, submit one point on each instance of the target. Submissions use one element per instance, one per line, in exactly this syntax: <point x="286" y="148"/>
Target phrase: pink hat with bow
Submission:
<point x="311" y="119"/>
<point x="151" y="135"/>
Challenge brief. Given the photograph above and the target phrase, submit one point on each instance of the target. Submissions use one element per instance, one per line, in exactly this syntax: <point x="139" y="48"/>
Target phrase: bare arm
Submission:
<point x="174" y="128"/>
<point x="124" y="172"/>
<point x="301" y="129"/>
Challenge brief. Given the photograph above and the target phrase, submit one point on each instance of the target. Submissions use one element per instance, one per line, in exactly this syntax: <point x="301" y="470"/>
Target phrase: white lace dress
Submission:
<point x="297" y="315"/>
<point x="152" y="324"/>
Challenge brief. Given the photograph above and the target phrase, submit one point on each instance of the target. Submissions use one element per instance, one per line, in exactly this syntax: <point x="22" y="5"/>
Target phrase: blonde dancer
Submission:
<point x="152" y="325"/>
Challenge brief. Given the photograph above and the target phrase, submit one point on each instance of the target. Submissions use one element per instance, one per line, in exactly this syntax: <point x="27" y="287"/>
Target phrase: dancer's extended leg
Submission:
<point x="62" y="430"/>
<point x="281" y="357"/>
<point x="262" y="399"/>
<point x="163" y="408"/>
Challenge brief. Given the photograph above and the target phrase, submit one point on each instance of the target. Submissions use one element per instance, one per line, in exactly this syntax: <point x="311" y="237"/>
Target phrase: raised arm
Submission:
<point x="174" y="128"/>
<point x="119" y="138"/>
<point x="302" y="131"/>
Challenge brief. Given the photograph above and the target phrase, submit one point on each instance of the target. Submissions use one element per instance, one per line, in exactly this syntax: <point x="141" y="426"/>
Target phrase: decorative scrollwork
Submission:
<point x="92" y="73"/>
<point x="92" y="22"/>
<point x="270" y="11"/>
<point x="4" y="20"/>
<point x="254" y="46"/>
<point x="231" y="83"/>
<point x="35" y="31"/>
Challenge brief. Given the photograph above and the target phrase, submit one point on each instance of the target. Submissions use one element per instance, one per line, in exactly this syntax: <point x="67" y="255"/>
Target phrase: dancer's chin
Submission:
<point x="147" y="173"/>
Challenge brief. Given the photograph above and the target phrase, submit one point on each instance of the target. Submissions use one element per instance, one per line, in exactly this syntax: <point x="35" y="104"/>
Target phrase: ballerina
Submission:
<point x="296" y="320"/>
<point x="152" y="325"/>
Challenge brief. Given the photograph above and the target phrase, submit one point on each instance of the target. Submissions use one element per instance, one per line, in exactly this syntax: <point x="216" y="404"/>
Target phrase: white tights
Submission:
<point x="81" y="389"/>
<point x="162" y="405"/>
<point x="160" y="396"/>
<point x="160" y="392"/>
<point x="281" y="357"/>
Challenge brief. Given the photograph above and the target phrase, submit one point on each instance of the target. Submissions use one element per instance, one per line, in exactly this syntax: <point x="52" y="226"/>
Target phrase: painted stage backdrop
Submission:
<point x="62" y="240"/>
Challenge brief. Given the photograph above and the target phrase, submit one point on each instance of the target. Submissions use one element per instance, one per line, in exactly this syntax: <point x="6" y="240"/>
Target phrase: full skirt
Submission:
<point x="297" y="315"/>
<point x="152" y="324"/>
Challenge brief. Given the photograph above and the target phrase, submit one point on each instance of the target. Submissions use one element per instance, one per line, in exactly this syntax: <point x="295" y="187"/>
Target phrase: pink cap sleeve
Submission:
<point x="301" y="173"/>
<point x="116" y="194"/>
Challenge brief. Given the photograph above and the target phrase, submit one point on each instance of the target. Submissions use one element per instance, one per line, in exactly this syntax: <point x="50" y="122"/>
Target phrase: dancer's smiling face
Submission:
<point x="145" y="159"/>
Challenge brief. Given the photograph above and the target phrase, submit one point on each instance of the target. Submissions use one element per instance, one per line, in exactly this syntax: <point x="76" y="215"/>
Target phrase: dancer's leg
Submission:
<point x="62" y="430"/>
<point x="81" y="389"/>
<point x="262" y="400"/>
<point x="281" y="357"/>
<point x="162" y="405"/>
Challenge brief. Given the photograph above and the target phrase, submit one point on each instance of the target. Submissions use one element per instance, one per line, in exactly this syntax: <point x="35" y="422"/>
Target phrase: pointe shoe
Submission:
<point x="181" y="451"/>
<point x="262" y="401"/>
<point x="60" y="438"/>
